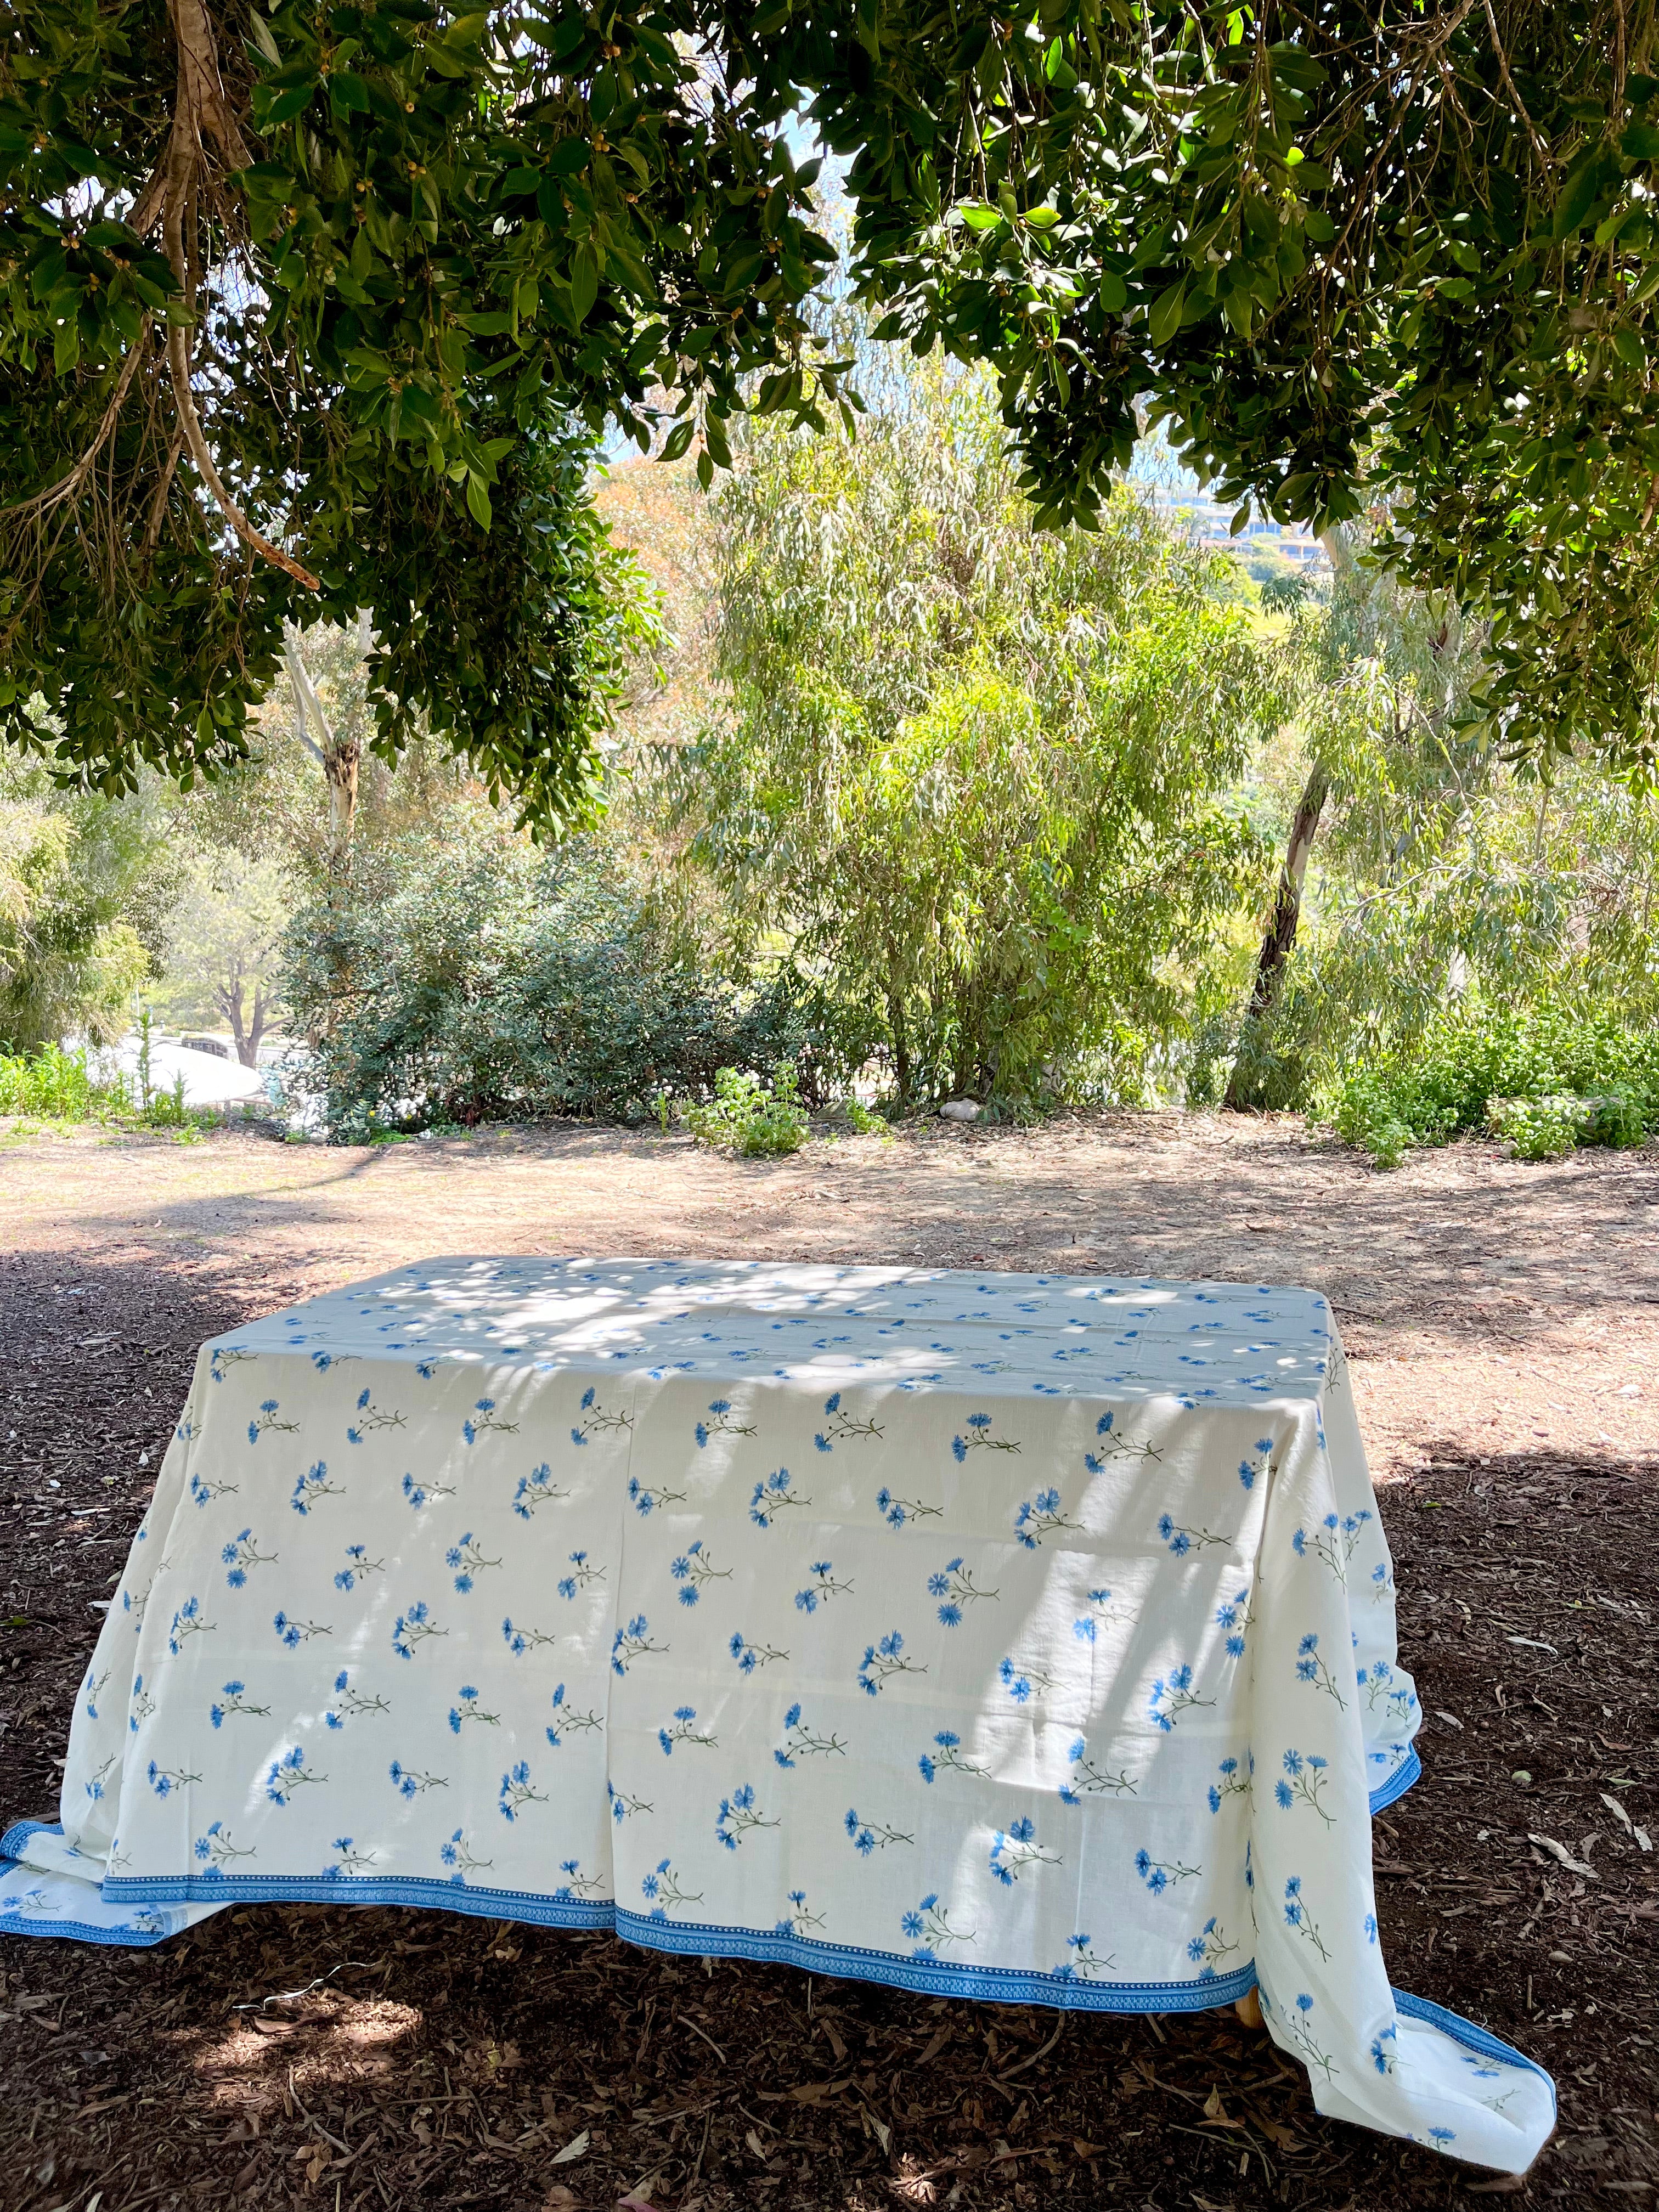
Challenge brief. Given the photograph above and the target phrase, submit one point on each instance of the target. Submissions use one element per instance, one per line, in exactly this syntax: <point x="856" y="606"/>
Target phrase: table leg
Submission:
<point x="1248" y="2009"/>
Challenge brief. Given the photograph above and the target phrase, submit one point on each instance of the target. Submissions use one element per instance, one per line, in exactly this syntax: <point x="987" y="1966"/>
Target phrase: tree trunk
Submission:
<point x="1280" y="938"/>
<point x="340" y="759"/>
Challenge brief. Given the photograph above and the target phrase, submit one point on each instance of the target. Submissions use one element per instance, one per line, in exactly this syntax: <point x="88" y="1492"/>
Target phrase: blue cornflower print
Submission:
<point x="1299" y="2027"/>
<point x="232" y="1699"/>
<point x="693" y="1571"/>
<point x="1302" y="1780"/>
<point x="623" y="1806"/>
<point x="164" y="1780"/>
<point x="803" y="1742"/>
<point x="347" y="1860"/>
<point x="799" y="1920"/>
<point x="1378" y="1684"/>
<point x="483" y="1418"/>
<point x="578" y="1884"/>
<point x="1234" y="1782"/>
<point x="457" y="1855"/>
<point x="1015" y="1848"/>
<point x="468" y="1707"/>
<point x="596" y="1421"/>
<point x="426" y="1369"/>
<point x="288" y="1773"/>
<point x="823" y="1587"/>
<point x="1310" y="1667"/>
<point x="1173" y="1694"/>
<point x="1022" y="1681"/>
<point x="662" y="1893"/>
<point x="1251" y="1471"/>
<point x="412" y="1781"/>
<point x="517" y="1791"/>
<point x="537" y="1488"/>
<point x="1088" y="1778"/>
<point x="468" y="1560"/>
<point x="629" y="1641"/>
<point x="1114" y="1446"/>
<point x="265" y="1421"/>
<point x="721" y="1422"/>
<point x="945" y="1757"/>
<point x="1385" y="2051"/>
<point x="205" y="1488"/>
<point x="954" y="1585"/>
<point x="358" y="1567"/>
<point x="1160" y="1875"/>
<point x="1368" y="1928"/>
<point x="1038" y="1517"/>
<point x="1181" y="1541"/>
<point x="646" y="1502"/>
<point x="1234" y="1615"/>
<point x="567" y="1718"/>
<point x="980" y="1438"/>
<point x="1297" y="1915"/>
<point x="871" y="1835"/>
<point x="422" y="1494"/>
<point x="684" y="1729"/>
<point x="349" y="1702"/>
<point x="896" y="1510"/>
<point x="1381" y="1583"/>
<point x="1088" y="1627"/>
<point x="220" y="1363"/>
<point x="371" y="1416"/>
<point x="520" y="1640"/>
<point x="1333" y="1543"/>
<point x="771" y="1497"/>
<point x="752" y="1657"/>
<point x="1209" y="1948"/>
<point x="412" y="1627"/>
<point x="1084" y="1962"/>
<point x="216" y="1851"/>
<point x="929" y="1929"/>
<point x="738" y="1813"/>
<point x="313" y="1486"/>
<point x="839" y="1425"/>
<point x="883" y="1660"/>
<point x="242" y="1555"/>
<point x="582" y="1572"/>
<point x="291" y="1633"/>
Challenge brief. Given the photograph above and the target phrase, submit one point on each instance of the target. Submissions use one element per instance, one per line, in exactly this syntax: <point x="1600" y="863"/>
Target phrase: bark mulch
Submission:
<point x="334" y="2058"/>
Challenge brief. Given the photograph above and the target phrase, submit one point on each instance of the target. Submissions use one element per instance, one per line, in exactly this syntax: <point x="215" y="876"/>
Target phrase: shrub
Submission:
<point x="749" y="1119"/>
<point x="470" y="978"/>
<point x="1546" y="1080"/>
<point x="54" y="1084"/>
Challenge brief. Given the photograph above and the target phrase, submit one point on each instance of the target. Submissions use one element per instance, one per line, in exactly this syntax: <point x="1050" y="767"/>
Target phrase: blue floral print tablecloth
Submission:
<point x="1013" y="1637"/>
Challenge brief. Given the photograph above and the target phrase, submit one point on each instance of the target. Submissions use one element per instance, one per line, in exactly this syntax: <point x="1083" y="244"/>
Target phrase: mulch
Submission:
<point x="333" y="2058"/>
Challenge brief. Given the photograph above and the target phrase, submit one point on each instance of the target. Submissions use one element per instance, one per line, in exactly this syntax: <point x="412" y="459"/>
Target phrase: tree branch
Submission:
<point x="68" y="486"/>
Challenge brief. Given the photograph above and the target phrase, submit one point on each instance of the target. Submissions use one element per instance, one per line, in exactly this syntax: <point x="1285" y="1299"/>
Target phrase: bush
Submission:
<point x="1546" y="1080"/>
<point x="471" y="978"/>
<point x="750" y="1120"/>
<point x="55" y="1084"/>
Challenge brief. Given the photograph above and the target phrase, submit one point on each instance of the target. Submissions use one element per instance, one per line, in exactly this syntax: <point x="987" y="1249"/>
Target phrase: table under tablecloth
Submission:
<point x="1013" y="1637"/>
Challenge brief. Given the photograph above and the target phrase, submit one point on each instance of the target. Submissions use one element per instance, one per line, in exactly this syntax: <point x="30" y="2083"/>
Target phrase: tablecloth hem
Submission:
<point x="1465" y="2031"/>
<point x="1409" y="1770"/>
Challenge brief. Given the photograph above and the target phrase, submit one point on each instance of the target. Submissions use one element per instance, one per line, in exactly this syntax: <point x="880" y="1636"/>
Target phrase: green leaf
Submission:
<point x="568" y="158"/>
<point x="349" y="94"/>
<point x="679" y="440"/>
<point x="1163" y="316"/>
<point x="1114" y="293"/>
<point x="584" y="281"/>
<point x="1640" y="142"/>
<point x="478" y="500"/>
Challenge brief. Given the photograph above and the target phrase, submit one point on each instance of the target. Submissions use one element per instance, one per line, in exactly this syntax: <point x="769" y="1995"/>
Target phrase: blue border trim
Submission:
<point x="1409" y="1769"/>
<point x="1478" y="2039"/>
<point x="413" y="1890"/>
<point x="81" y="1931"/>
<point x="11" y="1844"/>
<point x="991" y="1984"/>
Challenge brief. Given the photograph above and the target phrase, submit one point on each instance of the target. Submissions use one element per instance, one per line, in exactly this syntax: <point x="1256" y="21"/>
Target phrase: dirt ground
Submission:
<point x="1502" y="1321"/>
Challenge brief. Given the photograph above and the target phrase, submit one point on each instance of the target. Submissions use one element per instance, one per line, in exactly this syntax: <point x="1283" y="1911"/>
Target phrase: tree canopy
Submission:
<point x="305" y="308"/>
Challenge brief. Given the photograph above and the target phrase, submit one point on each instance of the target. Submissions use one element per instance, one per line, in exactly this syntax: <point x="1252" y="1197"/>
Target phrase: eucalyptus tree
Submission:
<point x="307" y="308"/>
<point x="972" y="782"/>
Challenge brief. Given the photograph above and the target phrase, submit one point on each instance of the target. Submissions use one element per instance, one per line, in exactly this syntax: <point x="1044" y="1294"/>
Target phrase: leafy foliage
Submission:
<point x="747" y="1117"/>
<point x="470" y="979"/>
<point x="970" y="784"/>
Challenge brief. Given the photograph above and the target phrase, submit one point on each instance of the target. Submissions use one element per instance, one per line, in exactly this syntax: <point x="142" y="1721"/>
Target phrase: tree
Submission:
<point x="221" y="951"/>
<point x="971" y="783"/>
<point x="340" y="296"/>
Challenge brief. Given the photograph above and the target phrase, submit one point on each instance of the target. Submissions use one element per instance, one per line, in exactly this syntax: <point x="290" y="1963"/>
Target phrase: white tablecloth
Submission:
<point x="1013" y="1636"/>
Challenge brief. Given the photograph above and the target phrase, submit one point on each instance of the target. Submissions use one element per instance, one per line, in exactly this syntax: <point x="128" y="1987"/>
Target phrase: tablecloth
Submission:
<point x="1013" y="1637"/>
